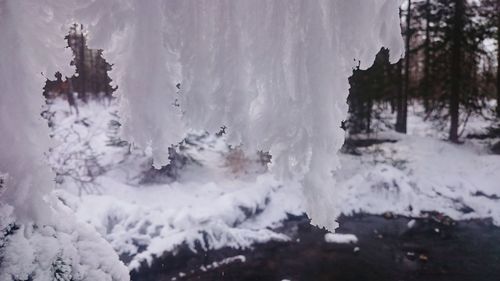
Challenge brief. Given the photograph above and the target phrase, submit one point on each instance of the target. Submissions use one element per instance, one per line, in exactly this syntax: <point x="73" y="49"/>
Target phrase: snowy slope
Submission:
<point x="418" y="174"/>
<point x="423" y="172"/>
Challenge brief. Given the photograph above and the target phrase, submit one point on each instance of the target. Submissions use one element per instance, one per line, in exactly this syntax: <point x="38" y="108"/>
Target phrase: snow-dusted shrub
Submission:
<point x="63" y="251"/>
<point x="78" y="156"/>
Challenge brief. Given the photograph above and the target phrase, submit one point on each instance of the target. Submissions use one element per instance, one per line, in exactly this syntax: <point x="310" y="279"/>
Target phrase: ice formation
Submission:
<point x="32" y="46"/>
<point x="274" y="72"/>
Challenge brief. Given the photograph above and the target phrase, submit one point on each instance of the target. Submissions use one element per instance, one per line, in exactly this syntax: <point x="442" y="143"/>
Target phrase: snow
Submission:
<point x="162" y="218"/>
<point x="65" y="250"/>
<point x="274" y="72"/>
<point x="239" y="258"/>
<point x="340" y="238"/>
<point x="215" y="203"/>
<point x="418" y="174"/>
<point x="208" y="207"/>
<point x="411" y="223"/>
<point x="211" y="205"/>
<point x="422" y="172"/>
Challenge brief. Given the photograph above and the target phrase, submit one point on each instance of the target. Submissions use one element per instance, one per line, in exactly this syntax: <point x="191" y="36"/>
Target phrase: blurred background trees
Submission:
<point x="450" y="69"/>
<point x="90" y="81"/>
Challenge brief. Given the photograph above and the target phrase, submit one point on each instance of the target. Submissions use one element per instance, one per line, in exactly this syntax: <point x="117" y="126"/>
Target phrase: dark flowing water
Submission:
<point x="435" y="248"/>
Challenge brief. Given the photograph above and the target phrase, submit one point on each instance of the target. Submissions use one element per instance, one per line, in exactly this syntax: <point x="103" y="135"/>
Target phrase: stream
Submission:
<point x="389" y="248"/>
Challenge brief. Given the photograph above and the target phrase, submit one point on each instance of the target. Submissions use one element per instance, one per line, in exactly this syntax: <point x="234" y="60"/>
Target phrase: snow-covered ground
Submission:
<point x="421" y="171"/>
<point x="418" y="174"/>
<point x="221" y="198"/>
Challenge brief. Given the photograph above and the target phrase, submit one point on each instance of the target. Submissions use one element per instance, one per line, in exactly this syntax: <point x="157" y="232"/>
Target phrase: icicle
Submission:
<point x="274" y="72"/>
<point x="31" y="47"/>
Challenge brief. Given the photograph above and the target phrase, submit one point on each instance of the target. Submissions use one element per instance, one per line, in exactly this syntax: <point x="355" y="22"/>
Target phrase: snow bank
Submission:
<point x="146" y="228"/>
<point x="210" y="206"/>
<point x="146" y="222"/>
<point x="419" y="174"/>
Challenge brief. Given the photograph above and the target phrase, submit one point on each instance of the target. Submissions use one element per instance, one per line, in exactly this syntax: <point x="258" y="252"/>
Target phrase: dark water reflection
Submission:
<point x="435" y="248"/>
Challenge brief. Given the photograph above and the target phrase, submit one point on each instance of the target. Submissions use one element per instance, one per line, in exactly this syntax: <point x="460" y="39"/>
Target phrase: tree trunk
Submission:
<point x="401" y="118"/>
<point x="427" y="55"/>
<point x="498" y="58"/>
<point x="82" y="70"/>
<point x="456" y="71"/>
<point x="400" y="122"/>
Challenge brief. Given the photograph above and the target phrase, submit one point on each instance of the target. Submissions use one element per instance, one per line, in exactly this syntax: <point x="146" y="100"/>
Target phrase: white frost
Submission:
<point x="31" y="44"/>
<point x="274" y="72"/>
<point x="63" y="250"/>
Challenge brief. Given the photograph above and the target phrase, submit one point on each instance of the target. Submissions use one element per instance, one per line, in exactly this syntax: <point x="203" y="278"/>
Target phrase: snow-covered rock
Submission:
<point x="340" y="238"/>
